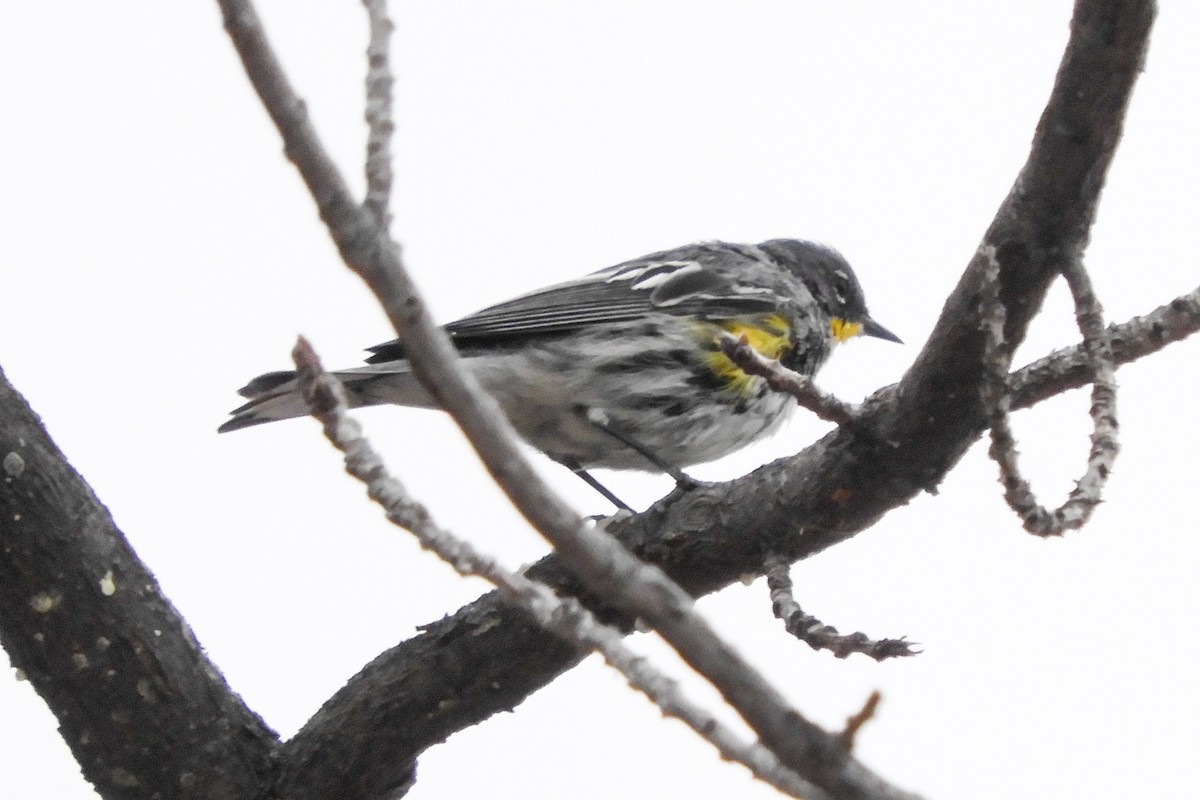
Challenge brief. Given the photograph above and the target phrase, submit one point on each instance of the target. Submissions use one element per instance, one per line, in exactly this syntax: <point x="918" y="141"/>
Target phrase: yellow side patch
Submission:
<point x="769" y="335"/>
<point x="843" y="330"/>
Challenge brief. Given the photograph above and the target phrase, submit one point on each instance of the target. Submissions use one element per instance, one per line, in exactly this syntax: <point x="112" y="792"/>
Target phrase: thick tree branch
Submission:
<point x="141" y="707"/>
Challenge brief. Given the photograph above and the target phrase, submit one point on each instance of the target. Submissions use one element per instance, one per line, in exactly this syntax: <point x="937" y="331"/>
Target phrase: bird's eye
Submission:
<point x="841" y="287"/>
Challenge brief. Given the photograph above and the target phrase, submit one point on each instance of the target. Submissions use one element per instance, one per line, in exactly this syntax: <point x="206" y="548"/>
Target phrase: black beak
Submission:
<point x="873" y="328"/>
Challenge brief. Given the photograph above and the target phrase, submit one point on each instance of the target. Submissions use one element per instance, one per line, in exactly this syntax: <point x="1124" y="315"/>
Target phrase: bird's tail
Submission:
<point x="276" y="395"/>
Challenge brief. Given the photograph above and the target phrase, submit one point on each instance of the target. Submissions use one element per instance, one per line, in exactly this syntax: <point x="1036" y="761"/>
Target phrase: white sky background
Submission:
<point x="157" y="251"/>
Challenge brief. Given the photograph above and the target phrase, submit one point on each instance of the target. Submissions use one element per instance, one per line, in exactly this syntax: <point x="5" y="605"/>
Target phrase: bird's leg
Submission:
<point x="595" y="484"/>
<point x="682" y="479"/>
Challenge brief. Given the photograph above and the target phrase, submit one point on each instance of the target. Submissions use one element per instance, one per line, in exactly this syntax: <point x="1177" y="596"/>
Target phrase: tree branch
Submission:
<point x="142" y="708"/>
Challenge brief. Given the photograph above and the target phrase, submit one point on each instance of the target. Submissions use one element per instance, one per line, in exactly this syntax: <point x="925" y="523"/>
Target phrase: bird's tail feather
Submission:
<point x="276" y="395"/>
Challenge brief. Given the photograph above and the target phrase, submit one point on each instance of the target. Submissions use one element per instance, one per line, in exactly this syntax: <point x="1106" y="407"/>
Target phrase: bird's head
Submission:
<point x="832" y="284"/>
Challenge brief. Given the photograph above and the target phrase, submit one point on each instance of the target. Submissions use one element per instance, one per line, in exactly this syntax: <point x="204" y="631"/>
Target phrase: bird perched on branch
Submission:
<point x="622" y="369"/>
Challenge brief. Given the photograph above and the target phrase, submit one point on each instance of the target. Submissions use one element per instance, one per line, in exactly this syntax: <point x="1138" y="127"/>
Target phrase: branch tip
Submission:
<point x="815" y="633"/>
<point x="856" y="721"/>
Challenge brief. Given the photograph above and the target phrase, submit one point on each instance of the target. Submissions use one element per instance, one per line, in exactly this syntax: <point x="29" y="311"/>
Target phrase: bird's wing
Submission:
<point x="676" y="281"/>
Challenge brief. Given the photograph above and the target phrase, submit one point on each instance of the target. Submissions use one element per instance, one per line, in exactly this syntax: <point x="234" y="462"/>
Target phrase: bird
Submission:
<point x="622" y="368"/>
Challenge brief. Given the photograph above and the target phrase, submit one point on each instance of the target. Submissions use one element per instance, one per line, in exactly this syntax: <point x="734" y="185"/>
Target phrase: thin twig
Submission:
<point x="782" y="379"/>
<point x="855" y="723"/>
<point x="1086" y="495"/>
<point x="816" y="634"/>
<point x="563" y="616"/>
<point x="379" y="114"/>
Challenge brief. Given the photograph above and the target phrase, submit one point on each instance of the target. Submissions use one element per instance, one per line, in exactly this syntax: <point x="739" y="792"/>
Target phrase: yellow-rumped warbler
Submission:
<point x="622" y="369"/>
